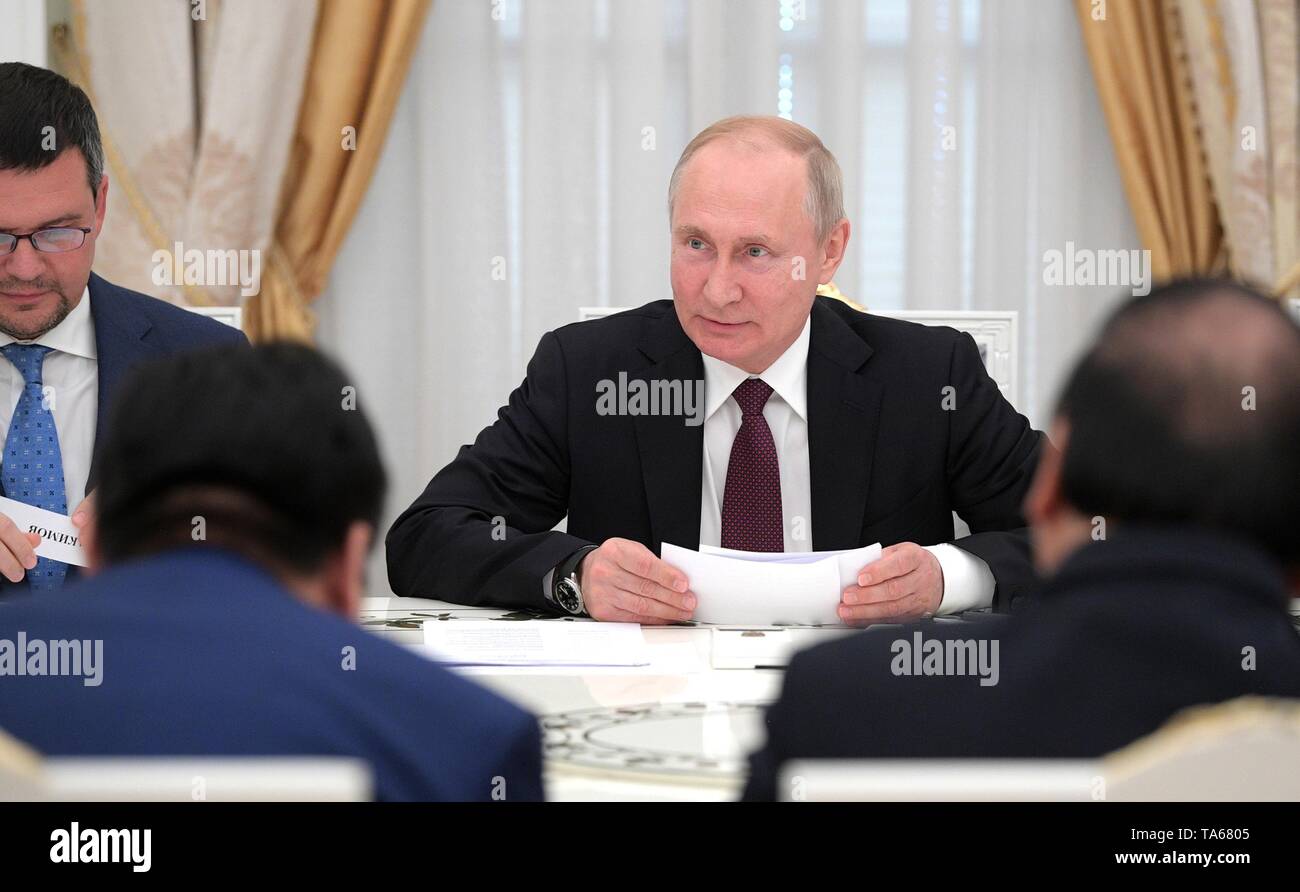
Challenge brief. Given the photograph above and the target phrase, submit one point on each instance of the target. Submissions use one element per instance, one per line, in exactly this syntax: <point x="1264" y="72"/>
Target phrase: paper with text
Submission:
<point x="60" y="540"/>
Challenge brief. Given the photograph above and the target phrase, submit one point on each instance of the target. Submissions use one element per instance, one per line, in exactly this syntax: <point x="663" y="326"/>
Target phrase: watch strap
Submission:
<point x="566" y="568"/>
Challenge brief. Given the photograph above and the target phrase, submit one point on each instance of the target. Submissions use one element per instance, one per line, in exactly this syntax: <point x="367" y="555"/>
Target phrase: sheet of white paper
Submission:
<point x="60" y="540"/>
<point x="768" y="557"/>
<point x="535" y="643"/>
<point x="850" y="560"/>
<point x="737" y="590"/>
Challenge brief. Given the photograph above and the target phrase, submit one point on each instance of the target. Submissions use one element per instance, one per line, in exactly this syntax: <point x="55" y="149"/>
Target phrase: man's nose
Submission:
<point x="25" y="262"/>
<point x="722" y="287"/>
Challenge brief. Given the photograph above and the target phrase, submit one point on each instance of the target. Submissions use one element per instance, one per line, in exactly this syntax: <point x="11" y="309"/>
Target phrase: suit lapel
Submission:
<point x="119" y="345"/>
<point x="672" y="451"/>
<point x="843" y="422"/>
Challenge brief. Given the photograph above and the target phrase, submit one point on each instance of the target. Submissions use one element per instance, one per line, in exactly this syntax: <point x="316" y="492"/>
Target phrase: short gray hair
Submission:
<point x="824" y="200"/>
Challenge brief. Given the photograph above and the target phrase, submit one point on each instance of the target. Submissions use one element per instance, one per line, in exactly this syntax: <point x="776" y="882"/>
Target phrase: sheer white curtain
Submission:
<point x="22" y="31"/>
<point x="526" y="170"/>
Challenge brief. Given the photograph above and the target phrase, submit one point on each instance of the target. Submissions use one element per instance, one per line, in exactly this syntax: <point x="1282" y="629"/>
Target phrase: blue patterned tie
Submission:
<point x="33" y="465"/>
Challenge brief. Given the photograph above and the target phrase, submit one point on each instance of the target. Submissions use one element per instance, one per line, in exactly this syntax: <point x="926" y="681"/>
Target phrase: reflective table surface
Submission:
<point x="677" y="729"/>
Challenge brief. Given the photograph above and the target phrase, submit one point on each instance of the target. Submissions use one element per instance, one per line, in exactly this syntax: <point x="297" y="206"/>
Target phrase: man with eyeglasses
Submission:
<point x="67" y="337"/>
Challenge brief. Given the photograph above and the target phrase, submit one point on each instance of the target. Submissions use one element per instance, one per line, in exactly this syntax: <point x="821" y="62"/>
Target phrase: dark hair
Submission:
<point x="1187" y="411"/>
<point x="265" y="444"/>
<point x="32" y="99"/>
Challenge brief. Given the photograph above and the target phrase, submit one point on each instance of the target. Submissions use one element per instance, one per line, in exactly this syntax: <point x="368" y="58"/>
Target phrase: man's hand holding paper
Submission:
<point x="622" y="581"/>
<point x="22" y="541"/>
<point x="17" y="549"/>
<point x="907" y="582"/>
<point x="769" y="588"/>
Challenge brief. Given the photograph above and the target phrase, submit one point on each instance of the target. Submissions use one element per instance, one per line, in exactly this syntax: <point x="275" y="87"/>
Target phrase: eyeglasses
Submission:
<point x="47" y="241"/>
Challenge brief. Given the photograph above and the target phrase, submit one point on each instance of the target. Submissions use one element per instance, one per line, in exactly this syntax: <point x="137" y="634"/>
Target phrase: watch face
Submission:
<point x="566" y="594"/>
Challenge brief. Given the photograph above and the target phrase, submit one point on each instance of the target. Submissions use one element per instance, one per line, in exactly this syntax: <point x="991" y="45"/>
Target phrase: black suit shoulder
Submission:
<point x="633" y="319"/>
<point x="617" y="332"/>
<point x="928" y="346"/>
<point x="918" y="344"/>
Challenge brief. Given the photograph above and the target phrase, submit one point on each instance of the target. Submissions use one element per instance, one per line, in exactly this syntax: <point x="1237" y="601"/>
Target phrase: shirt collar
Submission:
<point x="787" y="376"/>
<point x="74" y="335"/>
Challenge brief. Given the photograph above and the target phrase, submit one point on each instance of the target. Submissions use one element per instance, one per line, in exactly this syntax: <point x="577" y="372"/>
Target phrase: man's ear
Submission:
<point x="1045" y="501"/>
<point x="347" y="571"/>
<point x="836" y="244"/>
<point x="90" y="544"/>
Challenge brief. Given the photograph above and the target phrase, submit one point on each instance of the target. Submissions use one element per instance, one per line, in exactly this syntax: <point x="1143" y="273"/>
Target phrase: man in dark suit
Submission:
<point x="746" y="413"/>
<point x="67" y="337"/>
<point x="230" y="532"/>
<point x="1167" y="520"/>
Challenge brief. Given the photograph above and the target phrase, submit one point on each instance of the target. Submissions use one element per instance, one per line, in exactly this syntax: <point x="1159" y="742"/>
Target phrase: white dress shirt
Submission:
<point x="72" y="369"/>
<point x="967" y="580"/>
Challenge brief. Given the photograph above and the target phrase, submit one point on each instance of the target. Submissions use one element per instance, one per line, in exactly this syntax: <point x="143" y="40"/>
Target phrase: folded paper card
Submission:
<point x="764" y="588"/>
<point x="60" y="540"/>
<point x="535" y="643"/>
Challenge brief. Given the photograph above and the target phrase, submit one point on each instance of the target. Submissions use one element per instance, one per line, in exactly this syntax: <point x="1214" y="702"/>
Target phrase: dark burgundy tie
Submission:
<point x="751" y="503"/>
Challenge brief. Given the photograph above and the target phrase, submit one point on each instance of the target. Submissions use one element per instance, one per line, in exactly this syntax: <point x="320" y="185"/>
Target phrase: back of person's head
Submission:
<point x="262" y="451"/>
<point x="1186" y="412"/>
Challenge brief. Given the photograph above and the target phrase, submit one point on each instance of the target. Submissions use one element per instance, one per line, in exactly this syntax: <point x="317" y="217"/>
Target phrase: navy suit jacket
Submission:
<point x="1129" y="632"/>
<point x="131" y="328"/>
<point x="205" y="654"/>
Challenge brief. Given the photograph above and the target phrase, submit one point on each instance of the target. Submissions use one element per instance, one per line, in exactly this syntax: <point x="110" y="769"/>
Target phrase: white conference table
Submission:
<point x="678" y="729"/>
<point x="675" y="730"/>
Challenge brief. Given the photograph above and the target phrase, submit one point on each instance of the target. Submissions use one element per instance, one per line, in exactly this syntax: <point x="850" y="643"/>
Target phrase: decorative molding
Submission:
<point x="996" y="333"/>
<point x="586" y="314"/>
<point x="232" y="316"/>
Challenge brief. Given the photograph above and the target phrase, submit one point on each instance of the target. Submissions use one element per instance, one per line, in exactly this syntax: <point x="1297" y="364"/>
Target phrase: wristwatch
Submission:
<point x="566" y="593"/>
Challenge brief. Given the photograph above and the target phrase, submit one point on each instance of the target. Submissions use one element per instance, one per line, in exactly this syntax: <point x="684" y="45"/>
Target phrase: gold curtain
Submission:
<point x="360" y="57"/>
<point x="1141" y="73"/>
<point x="1245" y="81"/>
